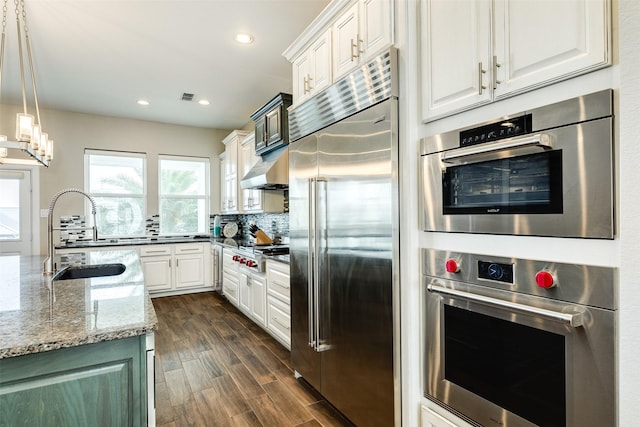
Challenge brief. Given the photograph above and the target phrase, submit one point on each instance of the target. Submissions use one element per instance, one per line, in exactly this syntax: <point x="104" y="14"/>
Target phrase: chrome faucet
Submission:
<point x="49" y="267"/>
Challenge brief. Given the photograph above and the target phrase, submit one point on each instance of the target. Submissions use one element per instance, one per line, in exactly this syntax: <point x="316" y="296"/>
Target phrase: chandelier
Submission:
<point x="32" y="145"/>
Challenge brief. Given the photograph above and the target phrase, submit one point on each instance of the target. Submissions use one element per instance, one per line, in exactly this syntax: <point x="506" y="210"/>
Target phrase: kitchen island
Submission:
<point x="75" y="352"/>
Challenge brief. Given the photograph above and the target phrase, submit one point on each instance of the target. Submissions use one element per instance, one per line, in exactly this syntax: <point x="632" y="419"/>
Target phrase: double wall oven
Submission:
<point x="513" y="342"/>
<point x="544" y="172"/>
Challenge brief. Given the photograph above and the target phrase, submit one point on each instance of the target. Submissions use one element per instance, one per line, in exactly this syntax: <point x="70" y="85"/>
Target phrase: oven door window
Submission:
<point x="517" y="367"/>
<point x="515" y="185"/>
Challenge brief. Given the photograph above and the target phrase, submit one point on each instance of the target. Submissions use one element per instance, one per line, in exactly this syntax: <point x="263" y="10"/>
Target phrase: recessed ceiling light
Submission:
<point x="244" y="38"/>
<point x="204" y="102"/>
<point x="142" y="102"/>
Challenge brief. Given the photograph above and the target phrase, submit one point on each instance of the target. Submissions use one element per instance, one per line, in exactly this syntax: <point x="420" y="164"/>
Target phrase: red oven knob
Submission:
<point x="250" y="263"/>
<point x="243" y="261"/>
<point x="545" y="280"/>
<point x="235" y="257"/>
<point x="452" y="266"/>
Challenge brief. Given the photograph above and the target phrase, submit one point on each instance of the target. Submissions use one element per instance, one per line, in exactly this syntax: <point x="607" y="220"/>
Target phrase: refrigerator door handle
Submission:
<point x="321" y="304"/>
<point x="311" y="187"/>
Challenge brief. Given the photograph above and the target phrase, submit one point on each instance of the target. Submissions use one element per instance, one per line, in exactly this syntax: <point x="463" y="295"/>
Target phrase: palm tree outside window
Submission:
<point x="117" y="182"/>
<point x="183" y="195"/>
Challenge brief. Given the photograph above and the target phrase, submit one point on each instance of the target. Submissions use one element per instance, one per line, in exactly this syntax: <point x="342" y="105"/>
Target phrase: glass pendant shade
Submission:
<point x="24" y="127"/>
<point x="35" y="137"/>
<point x="49" y="151"/>
<point x="42" y="149"/>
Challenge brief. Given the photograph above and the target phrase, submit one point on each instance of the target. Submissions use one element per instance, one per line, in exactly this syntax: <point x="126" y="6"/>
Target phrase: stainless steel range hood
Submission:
<point x="270" y="173"/>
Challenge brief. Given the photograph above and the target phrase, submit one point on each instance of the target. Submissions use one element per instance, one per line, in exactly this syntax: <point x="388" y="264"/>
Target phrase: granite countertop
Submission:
<point x="38" y="315"/>
<point x="133" y="241"/>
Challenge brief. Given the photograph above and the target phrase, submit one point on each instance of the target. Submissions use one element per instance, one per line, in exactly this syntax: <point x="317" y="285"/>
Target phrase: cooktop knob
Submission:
<point x="545" y="279"/>
<point x="452" y="266"/>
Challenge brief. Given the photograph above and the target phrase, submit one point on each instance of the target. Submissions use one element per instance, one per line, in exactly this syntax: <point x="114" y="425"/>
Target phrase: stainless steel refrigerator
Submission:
<point x="343" y="213"/>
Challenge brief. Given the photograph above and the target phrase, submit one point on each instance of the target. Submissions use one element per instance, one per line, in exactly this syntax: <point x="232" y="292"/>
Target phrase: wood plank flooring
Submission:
<point x="215" y="367"/>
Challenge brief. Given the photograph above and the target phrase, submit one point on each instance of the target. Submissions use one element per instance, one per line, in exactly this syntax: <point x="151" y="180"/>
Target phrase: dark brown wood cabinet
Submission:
<point x="272" y="124"/>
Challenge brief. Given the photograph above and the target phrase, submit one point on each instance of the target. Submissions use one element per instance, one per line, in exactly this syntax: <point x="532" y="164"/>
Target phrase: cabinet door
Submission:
<point x="231" y="177"/>
<point x="279" y="320"/>
<point x="346" y="47"/>
<point x="190" y="271"/>
<point x="274" y="126"/>
<point x="223" y="184"/>
<point x="261" y="134"/>
<point x="244" y="291"/>
<point x="259" y="298"/>
<point x="320" y="53"/>
<point x="456" y="40"/>
<point x="375" y="25"/>
<point x="157" y="272"/>
<point x="301" y="72"/>
<point x="541" y="42"/>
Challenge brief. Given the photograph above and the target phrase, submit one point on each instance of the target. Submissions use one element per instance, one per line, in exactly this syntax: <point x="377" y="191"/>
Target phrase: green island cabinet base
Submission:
<point x="102" y="384"/>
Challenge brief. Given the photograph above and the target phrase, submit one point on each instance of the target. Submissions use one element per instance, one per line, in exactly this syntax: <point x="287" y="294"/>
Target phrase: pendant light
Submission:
<point x="32" y="145"/>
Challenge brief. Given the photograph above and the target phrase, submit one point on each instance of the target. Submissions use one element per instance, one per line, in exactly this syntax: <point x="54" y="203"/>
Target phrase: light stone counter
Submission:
<point x="38" y="315"/>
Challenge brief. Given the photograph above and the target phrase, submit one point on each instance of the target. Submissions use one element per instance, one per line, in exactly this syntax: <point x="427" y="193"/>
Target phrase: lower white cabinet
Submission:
<point x="229" y="276"/>
<point x="278" y="302"/>
<point x="252" y="292"/>
<point x="175" y="268"/>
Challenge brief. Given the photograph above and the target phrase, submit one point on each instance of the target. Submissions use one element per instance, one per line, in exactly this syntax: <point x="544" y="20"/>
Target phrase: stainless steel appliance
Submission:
<point x="545" y="172"/>
<point x="514" y="342"/>
<point x="343" y="237"/>
<point x="254" y="257"/>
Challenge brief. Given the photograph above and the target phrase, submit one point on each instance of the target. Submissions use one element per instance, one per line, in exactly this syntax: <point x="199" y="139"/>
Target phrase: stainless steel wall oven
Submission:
<point x="545" y="172"/>
<point x="514" y="342"/>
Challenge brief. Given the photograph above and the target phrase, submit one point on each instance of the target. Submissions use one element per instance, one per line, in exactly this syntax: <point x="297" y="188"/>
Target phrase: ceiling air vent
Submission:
<point x="187" y="96"/>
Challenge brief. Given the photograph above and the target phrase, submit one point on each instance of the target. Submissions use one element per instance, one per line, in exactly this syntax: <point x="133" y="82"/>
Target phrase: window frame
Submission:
<point x="87" y="180"/>
<point x="207" y="188"/>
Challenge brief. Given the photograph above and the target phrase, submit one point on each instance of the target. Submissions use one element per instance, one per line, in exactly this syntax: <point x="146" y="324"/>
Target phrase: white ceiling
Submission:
<point x="100" y="56"/>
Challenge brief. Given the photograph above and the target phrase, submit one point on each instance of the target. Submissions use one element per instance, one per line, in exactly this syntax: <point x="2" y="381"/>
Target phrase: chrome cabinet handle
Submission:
<point x="354" y="50"/>
<point x="540" y="140"/>
<point x="282" y="285"/>
<point x="481" y="86"/>
<point x="275" y="320"/>
<point x="496" y="82"/>
<point x="306" y="86"/>
<point x="571" y="319"/>
<point x="309" y="79"/>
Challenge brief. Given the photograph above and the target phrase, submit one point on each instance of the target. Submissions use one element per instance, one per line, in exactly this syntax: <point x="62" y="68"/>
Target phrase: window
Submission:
<point x="183" y="195"/>
<point x="117" y="183"/>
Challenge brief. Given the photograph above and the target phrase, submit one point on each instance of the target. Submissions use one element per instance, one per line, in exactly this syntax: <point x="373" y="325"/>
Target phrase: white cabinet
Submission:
<point x="175" y="268"/>
<point x="231" y="176"/>
<point x="477" y="51"/>
<point x="278" y="314"/>
<point x="157" y="263"/>
<point x="345" y="35"/>
<point x="239" y="157"/>
<point x="230" y="276"/>
<point x="312" y="69"/>
<point x="252" y="293"/>
<point x="251" y="198"/>
<point x="362" y="30"/>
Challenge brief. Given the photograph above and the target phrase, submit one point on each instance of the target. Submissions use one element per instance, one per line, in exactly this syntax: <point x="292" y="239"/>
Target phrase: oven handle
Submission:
<point x="572" y="319"/>
<point x="541" y="140"/>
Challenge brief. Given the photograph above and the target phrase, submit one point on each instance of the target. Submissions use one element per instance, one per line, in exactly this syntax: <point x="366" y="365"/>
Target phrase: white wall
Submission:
<point x="624" y="78"/>
<point x="73" y="132"/>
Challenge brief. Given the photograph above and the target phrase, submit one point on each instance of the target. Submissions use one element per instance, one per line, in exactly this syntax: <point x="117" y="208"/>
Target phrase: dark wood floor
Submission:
<point x="215" y="367"/>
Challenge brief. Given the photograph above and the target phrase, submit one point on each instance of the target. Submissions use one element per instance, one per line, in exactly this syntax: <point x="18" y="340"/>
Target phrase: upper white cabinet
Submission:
<point x="312" y="69"/>
<point x="477" y="51"/>
<point x="345" y="35"/>
<point x="362" y="30"/>
<point x="231" y="181"/>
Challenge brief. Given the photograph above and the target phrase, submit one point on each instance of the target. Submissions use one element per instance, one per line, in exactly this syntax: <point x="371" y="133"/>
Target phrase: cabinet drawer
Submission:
<point x="189" y="248"/>
<point x="279" y="320"/>
<point x="278" y="280"/>
<point x="153" y="250"/>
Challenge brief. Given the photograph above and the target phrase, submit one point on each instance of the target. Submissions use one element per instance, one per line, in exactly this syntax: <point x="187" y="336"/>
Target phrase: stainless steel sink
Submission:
<point x="88" y="271"/>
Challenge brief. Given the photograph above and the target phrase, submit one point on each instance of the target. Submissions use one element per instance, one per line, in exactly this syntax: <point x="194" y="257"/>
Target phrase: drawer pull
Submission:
<point x="282" y="285"/>
<point x="161" y="251"/>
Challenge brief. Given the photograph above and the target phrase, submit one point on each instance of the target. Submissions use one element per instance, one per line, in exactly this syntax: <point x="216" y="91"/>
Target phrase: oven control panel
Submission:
<point x="495" y="271"/>
<point x="495" y="131"/>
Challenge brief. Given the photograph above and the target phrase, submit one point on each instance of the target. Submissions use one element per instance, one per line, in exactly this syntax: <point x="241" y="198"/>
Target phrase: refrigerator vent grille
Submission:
<point x="371" y="83"/>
